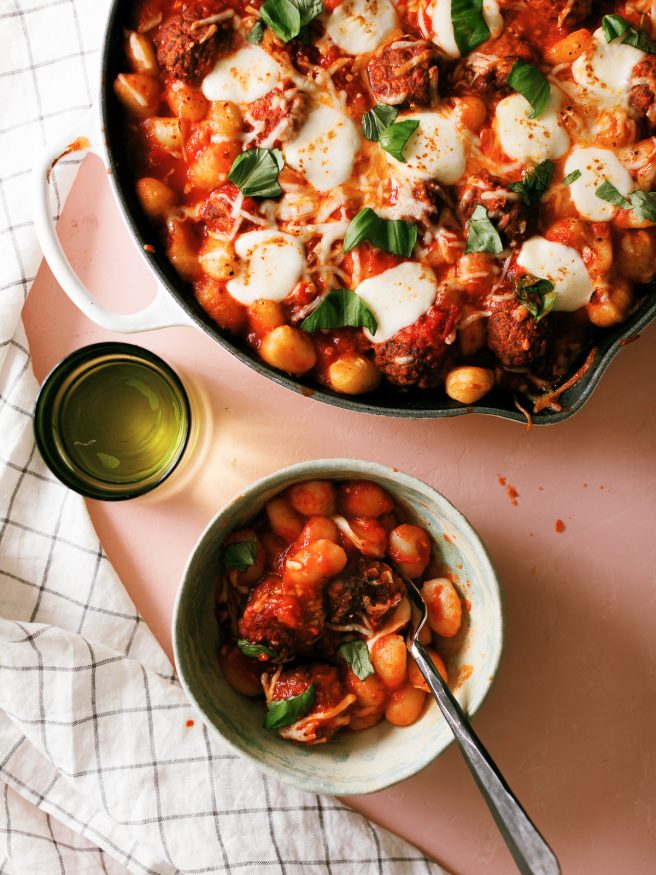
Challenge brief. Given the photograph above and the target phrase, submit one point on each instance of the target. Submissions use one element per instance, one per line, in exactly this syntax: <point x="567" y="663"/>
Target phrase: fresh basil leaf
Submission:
<point x="572" y="177"/>
<point x="240" y="554"/>
<point x="644" y="203"/>
<point x="284" y="712"/>
<point x="393" y="235"/>
<point x="256" y="33"/>
<point x="254" y="651"/>
<point x="395" y="138"/>
<point x="356" y="653"/>
<point x="288" y="18"/>
<point x="536" y="295"/>
<point x="531" y="84"/>
<point x="482" y="236"/>
<point x="615" y="26"/>
<point x="535" y="183"/>
<point x="255" y="172"/>
<point x="608" y="192"/>
<point x="470" y="28"/>
<point x="283" y="17"/>
<point x="340" y="308"/>
<point x="376" y="120"/>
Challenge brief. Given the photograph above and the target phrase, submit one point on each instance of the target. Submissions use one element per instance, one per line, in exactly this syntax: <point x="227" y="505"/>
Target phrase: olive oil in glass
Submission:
<point x="112" y="421"/>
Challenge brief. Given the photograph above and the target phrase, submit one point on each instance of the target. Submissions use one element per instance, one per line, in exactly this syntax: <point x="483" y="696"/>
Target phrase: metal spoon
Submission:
<point x="531" y="853"/>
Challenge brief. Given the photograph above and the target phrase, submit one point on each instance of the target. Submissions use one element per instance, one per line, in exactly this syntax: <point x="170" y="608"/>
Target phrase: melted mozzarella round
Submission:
<point x="358" y="26"/>
<point x="531" y="139"/>
<point x="434" y="151"/>
<point x="596" y="166"/>
<point x="606" y="69"/>
<point x="243" y="77"/>
<point x="272" y="264"/>
<point x="398" y="297"/>
<point x="561" y="265"/>
<point x="324" y="149"/>
<point x="441" y="26"/>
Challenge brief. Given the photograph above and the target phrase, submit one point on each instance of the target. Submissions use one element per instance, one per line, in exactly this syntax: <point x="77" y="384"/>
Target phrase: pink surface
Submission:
<point x="570" y="719"/>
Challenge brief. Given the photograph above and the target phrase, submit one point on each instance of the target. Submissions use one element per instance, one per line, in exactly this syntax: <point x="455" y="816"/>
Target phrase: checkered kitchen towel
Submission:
<point x="99" y="771"/>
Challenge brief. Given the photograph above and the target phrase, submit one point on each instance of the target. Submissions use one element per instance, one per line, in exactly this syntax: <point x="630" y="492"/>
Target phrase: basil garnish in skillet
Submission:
<point x="379" y="126"/>
<point x="240" y="554"/>
<point x="289" y="18"/>
<point x="256" y="33"/>
<point x="531" y="84"/>
<point x="284" y="712"/>
<point x="572" y="177"/>
<point x="395" y="138"/>
<point x="392" y="235"/>
<point x="376" y="120"/>
<point x="536" y="295"/>
<point x="356" y="653"/>
<point x="483" y="236"/>
<point x="255" y="650"/>
<point x="643" y="202"/>
<point x="255" y="172"/>
<point x="535" y="183"/>
<point x="608" y="192"/>
<point x="615" y="26"/>
<point x="341" y="308"/>
<point x="470" y="28"/>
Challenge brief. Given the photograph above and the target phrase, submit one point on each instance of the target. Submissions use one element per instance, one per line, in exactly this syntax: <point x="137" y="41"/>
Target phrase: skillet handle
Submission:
<point x="163" y="312"/>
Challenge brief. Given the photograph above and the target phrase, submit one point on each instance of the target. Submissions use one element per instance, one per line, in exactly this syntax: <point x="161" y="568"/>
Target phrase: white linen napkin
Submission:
<point x="101" y="767"/>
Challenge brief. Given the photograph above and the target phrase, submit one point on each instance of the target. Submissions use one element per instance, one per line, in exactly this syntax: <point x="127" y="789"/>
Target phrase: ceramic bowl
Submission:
<point x="352" y="763"/>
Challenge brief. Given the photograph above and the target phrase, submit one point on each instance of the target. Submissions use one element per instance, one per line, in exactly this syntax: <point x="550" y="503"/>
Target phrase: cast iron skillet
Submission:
<point x="384" y="402"/>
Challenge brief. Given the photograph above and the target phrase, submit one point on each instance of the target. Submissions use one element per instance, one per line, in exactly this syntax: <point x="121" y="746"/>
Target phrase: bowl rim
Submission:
<point x="282" y="478"/>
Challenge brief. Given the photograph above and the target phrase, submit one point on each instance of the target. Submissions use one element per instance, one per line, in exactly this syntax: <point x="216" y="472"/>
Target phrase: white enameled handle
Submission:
<point x="163" y="312"/>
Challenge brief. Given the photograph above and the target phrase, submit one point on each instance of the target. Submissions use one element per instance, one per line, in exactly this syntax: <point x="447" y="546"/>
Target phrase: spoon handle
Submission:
<point x="531" y="853"/>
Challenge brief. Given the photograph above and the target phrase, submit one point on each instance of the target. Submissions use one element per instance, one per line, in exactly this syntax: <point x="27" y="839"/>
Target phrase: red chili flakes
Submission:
<point x="511" y="492"/>
<point x="189" y="723"/>
<point x="560" y="526"/>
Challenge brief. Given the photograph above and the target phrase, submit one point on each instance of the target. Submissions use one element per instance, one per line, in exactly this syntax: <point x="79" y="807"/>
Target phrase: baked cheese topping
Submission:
<point x="296" y="176"/>
<point x="243" y="77"/>
<point x="398" y="297"/>
<point x="605" y="69"/>
<point x="441" y="25"/>
<point x="435" y="150"/>
<point x="271" y="265"/>
<point x="596" y="166"/>
<point x="561" y="265"/>
<point x="531" y="140"/>
<point x="358" y="26"/>
<point x="325" y="148"/>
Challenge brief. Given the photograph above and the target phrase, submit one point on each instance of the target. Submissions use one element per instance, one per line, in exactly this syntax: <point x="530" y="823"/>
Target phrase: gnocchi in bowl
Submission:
<point x="264" y="668"/>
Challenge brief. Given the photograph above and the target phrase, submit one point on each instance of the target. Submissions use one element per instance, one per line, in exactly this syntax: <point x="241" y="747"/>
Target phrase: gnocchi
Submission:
<point x="311" y="597"/>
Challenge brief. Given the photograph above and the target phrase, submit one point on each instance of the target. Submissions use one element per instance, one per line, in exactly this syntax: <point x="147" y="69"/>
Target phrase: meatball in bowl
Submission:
<point x="290" y="623"/>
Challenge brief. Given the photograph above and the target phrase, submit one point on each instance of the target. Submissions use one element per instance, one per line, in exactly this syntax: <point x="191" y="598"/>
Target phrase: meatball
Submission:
<point x="417" y="355"/>
<point x="281" y="618"/>
<point x="486" y="72"/>
<point x="515" y="337"/>
<point x="568" y="13"/>
<point x="511" y="217"/>
<point x="186" y="43"/>
<point x="364" y="588"/>
<point x="642" y="96"/>
<point x="332" y="702"/>
<point x="277" y="116"/>
<point x="404" y="72"/>
<point x="218" y="210"/>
